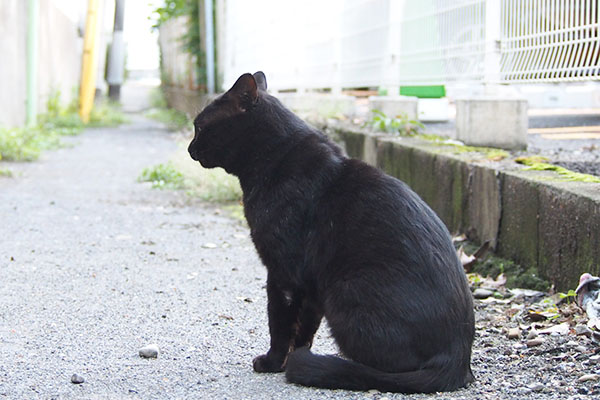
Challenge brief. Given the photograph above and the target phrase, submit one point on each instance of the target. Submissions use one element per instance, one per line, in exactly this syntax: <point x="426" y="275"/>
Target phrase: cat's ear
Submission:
<point x="261" y="80"/>
<point x="244" y="91"/>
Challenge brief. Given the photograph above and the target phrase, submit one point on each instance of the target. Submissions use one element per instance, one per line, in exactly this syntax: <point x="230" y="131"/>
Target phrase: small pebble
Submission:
<point x="532" y="334"/>
<point x="588" y="377"/>
<point x="77" y="379"/>
<point x="480" y="293"/>
<point x="536" y="387"/>
<point x="534" y="342"/>
<point x="583" y="330"/>
<point x="209" y="246"/>
<point x="150" y="351"/>
<point x="514" y="333"/>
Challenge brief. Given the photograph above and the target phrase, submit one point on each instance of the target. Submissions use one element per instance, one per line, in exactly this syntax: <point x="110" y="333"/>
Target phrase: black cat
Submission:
<point x="343" y="240"/>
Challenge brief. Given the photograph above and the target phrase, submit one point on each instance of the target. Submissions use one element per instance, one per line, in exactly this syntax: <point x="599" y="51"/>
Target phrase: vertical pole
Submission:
<point x="33" y="12"/>
<point x="210" y="46"/>
<point x="88" y="67"/>
<point x="492" y="44"/>
<point x="116" y="59"/>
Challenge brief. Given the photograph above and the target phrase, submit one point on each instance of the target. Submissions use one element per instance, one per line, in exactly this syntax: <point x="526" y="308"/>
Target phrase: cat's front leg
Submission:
<point x="283" y="314"/>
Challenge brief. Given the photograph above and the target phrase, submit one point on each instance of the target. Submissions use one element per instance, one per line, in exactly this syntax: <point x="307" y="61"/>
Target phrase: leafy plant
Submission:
<point x="26" y="144"/>
<point x="569" y="297"/>
<point x="163" y="176"/>
<point x="401" y="124"/>
<point x="62" y="120"/>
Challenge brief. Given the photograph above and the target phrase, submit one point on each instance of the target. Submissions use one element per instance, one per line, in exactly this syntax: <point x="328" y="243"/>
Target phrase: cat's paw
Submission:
<point x="265" y="364"/>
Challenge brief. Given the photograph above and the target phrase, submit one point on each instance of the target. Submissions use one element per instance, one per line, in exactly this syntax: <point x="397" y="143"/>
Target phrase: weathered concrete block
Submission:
<point x="393" y="106"/>
<point x="519" y="228"/>
<point x="395" y="159"/>
<point x="484" y="206"/>
<point x="448" y="181"/>
<point x="370" y="150"/>
<point x="326" y="105"/>
<point x="492" y="122"/>
<point x="569" y="236"/>
<point x="421" y="181"/>
<point x="352" y="142"/>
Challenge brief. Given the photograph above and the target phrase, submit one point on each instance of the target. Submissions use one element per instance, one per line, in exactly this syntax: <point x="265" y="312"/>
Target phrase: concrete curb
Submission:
<point x="532" y="217"/>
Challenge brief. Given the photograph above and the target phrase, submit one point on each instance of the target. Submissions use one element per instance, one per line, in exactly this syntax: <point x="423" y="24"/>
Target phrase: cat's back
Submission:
<point x="376" y="217"/>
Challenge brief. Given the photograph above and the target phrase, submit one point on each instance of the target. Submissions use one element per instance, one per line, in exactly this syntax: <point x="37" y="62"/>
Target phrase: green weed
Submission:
<point x="399" y="125"/>
<point x="107" y="114"/>
<point x="26" y="144"/>
<point x="6" y="172"/>
<point x="163" y="176"/>
<point x="569" y="297"/>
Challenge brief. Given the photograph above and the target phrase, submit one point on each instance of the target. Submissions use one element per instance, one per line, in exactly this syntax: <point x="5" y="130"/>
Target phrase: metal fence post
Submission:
<point x="491" y="66"/>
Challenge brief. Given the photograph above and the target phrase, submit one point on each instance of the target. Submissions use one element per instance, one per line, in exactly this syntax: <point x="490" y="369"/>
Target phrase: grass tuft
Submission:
<point x="163" y="176"/>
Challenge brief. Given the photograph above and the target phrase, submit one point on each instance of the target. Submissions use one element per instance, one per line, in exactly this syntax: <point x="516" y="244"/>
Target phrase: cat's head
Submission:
<point x="220" y="127"/>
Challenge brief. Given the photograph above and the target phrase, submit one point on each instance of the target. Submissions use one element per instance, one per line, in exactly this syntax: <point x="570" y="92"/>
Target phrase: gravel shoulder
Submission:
<point x="94" y="266"/>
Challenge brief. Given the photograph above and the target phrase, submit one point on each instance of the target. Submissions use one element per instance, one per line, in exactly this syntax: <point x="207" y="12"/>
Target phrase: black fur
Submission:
<point x="343" y="240"/>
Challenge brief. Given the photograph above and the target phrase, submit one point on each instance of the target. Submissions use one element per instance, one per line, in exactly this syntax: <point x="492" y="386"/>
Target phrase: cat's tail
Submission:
<point x="330" y="372"/>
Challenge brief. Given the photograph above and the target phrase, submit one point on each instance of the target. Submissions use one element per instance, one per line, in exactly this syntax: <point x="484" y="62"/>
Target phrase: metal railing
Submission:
<point x="336" y="44"/>
<point x="551" y="41"/>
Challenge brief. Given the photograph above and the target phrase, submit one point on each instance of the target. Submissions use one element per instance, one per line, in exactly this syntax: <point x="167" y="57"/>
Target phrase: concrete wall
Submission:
<point x="178" y="68"/>
<point x="13" y="14"/>
<point x="60" y="50"/>
<point x="188" y="101"/>
<point x="58" y="58"/>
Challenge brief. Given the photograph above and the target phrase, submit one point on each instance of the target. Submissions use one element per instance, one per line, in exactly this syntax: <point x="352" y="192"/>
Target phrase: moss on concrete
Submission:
<point x="536" y="164"/>
<point x="489" y="153"/>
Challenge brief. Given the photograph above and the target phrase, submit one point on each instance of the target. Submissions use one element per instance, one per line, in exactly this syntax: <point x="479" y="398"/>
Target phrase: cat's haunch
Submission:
<point x="343" y="240"/>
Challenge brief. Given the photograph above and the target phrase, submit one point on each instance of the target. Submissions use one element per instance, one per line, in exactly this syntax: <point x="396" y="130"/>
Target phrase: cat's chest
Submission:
<point x="278" y="231"/>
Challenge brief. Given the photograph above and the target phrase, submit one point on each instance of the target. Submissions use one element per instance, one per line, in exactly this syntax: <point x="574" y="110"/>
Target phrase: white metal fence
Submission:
<point x="550" y="41"/>
<point x="355" y="43"/>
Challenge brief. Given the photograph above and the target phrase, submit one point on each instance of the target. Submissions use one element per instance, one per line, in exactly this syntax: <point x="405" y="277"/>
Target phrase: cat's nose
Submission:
<point x="192" y="150"/>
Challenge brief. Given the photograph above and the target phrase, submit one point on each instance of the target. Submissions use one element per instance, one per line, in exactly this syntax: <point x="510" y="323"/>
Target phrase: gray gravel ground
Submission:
<point x="94" y="266"/>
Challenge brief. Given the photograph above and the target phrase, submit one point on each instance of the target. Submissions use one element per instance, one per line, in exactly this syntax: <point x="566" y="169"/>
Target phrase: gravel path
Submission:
<point x="94" y="266"/>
